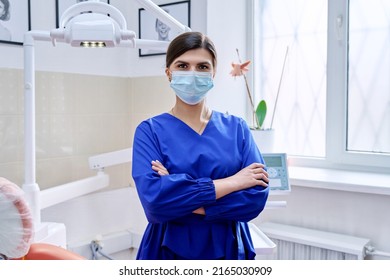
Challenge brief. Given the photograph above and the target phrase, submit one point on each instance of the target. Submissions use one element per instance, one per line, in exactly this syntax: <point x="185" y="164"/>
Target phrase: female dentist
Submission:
<point x="199" y="174"/>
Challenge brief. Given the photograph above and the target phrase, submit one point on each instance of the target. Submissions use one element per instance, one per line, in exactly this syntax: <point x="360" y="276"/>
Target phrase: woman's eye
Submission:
<point x="182" y="66"/>
<point x="203" y="67"/>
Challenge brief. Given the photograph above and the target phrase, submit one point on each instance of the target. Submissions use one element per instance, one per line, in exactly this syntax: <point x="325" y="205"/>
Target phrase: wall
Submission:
<point x="227" y="27"/>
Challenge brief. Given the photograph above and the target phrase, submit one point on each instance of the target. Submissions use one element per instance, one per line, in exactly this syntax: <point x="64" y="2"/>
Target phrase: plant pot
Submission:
<point x="264" y="139"/>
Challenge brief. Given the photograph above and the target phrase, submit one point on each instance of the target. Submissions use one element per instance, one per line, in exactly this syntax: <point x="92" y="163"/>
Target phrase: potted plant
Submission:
<point x="264" y="137"/>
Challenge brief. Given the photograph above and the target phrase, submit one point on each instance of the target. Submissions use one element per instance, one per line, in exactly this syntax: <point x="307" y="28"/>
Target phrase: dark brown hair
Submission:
<point x="190" y="41"/>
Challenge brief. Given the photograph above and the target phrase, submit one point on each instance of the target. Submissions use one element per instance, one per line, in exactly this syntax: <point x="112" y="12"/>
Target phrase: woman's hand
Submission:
<point x="250" y="176"/>
<point x="159" y="168"/>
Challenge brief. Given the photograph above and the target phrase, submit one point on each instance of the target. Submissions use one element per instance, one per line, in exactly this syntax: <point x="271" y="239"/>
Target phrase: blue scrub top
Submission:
<point x="193" y="161"/>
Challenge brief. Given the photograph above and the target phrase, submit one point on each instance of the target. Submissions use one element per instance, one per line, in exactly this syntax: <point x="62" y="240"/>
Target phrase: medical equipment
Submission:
<point x="277" y="172"/>
<point x="16" y="231"/>
<point x="44" y="251"/>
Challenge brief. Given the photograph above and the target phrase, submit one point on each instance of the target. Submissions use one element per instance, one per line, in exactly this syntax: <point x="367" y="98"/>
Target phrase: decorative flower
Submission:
<point x="240" y="69"/>
<point x="259" y="113"/>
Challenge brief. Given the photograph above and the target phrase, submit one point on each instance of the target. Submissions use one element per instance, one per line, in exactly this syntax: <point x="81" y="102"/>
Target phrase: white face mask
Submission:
<point x="191" y="86"/>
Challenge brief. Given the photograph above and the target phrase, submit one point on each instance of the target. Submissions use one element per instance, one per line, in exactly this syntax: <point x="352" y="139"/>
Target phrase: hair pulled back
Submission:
<point x="190" y="41"/>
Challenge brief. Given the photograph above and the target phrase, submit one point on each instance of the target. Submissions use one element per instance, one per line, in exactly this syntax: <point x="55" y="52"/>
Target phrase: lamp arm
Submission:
<point x="30" y="185"/>
<point x="151" y="44"/>
<point x="163" y="15"/>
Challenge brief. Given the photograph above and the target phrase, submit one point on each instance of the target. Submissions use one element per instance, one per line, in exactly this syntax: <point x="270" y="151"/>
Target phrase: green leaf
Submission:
<point x="261" y="112"/>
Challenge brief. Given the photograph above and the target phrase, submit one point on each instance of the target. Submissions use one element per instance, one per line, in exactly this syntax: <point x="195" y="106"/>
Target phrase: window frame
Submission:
<point x="336" y="153"/>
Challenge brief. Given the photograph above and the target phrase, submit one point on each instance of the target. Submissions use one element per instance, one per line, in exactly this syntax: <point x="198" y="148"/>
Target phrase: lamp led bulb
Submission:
<point x="87" y="44"/>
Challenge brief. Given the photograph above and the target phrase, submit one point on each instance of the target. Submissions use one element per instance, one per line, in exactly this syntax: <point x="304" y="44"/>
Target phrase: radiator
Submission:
<point x="298" y="243"/>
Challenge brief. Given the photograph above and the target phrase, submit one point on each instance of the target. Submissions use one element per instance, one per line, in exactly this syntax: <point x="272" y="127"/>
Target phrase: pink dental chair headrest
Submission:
<point x="16" y="224"/>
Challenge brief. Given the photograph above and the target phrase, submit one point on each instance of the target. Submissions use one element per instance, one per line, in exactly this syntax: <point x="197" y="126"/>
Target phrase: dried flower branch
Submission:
<point x="240" y="70"/>
<point x="260" y="111"/>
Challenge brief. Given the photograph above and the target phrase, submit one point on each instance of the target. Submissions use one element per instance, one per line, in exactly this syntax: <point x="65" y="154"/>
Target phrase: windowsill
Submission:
<point x="362" y="182"/>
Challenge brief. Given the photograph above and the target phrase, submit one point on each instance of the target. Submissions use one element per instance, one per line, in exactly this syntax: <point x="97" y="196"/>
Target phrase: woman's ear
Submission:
<point x="168" y="73"/>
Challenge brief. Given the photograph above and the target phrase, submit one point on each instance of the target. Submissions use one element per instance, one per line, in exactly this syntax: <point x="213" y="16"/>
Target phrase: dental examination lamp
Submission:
<point x="94" y="28"/>
<point x="86" y="24"/>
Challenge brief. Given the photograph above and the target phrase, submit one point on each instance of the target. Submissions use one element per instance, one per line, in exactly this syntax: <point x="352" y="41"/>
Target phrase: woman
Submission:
<point x="198" y="172"/>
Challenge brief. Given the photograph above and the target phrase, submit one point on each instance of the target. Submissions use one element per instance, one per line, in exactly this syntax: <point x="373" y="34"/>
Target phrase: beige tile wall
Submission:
<point x="76" y="116"/>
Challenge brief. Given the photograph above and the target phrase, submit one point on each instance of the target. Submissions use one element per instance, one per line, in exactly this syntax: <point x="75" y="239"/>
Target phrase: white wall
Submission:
<point x="226" y="25"/>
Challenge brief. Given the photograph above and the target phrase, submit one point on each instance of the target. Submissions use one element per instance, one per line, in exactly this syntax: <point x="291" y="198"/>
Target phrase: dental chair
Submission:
<point x="17" y="229"/>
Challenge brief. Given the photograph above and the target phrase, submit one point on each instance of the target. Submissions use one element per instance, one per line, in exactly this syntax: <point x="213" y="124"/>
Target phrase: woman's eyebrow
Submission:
<point x="181" y="62"/>
<point x="186" y="62"/>
<point x="204" y="62"/>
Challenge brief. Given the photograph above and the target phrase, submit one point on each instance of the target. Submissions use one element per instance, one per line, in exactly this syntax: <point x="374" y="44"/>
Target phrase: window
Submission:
<point x="369" y="76"/>
<point x="334" y="102"/>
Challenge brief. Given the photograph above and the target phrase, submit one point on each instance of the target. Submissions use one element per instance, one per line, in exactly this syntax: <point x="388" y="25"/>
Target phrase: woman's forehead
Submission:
<point x="195" y="56"/>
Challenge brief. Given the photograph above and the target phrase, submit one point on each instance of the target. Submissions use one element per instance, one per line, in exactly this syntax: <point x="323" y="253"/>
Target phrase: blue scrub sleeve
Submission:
<point x="240" y="206"/>
<point x="247" y="204"/>
<point x="165" y="198"/>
